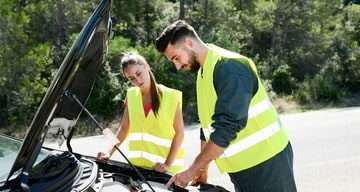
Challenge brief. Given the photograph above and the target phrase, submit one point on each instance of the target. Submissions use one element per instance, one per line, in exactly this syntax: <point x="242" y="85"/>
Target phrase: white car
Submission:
<point x="26" y="165"/>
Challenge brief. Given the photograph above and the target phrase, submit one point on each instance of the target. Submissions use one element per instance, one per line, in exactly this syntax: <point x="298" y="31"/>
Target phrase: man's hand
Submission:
<point x="210" y="152"/>
<point x="201" y="177"/>
<point x="161" y="167"/>
<point x="182" y="179"/>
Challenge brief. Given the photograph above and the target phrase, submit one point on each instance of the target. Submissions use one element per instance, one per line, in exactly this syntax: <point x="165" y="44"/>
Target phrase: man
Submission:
<point x="242" y="129"/>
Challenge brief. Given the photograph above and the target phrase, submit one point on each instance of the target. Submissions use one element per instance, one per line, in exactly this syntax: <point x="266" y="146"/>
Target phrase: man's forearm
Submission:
<point x="209" y="152"/>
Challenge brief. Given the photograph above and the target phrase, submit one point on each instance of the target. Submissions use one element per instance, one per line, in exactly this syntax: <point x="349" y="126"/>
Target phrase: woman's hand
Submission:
<point x="161" y="167"/>
<point x="101" y="156"/>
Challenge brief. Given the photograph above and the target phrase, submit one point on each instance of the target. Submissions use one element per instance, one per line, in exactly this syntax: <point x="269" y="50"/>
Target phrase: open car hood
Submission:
<point x="77" y="74"/>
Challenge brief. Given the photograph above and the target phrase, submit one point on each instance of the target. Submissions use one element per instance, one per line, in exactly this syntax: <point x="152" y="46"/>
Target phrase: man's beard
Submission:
<point x="194" y="65"/>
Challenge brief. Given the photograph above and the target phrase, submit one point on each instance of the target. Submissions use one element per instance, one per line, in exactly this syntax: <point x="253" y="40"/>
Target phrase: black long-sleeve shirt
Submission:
<point x="235" y="85"/>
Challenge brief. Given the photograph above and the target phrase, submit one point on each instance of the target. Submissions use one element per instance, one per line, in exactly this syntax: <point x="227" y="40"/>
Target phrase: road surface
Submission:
<point x="326" y="150"/>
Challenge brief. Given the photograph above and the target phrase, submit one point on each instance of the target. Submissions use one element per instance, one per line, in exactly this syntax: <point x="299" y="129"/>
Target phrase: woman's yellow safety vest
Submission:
<point x="264" y="135"/>
<point x="150" y="137"/>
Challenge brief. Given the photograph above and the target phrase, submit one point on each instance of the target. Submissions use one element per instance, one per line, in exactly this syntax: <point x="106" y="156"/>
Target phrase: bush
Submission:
<point x="317" y="89"/>
<point x="282" y="80"/>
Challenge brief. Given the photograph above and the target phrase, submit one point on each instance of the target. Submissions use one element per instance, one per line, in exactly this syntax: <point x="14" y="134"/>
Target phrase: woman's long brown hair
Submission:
<point x="133" y="58"/>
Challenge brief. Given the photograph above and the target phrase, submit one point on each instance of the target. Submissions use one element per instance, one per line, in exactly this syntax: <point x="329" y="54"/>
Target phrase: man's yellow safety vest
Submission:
<point x="150" y="137"/>
<point x="263" y="136"/>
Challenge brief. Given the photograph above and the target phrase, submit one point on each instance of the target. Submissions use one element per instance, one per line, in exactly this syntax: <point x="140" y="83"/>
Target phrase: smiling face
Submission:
<point x="138" y="75"/>
<point x="182" y="57"/>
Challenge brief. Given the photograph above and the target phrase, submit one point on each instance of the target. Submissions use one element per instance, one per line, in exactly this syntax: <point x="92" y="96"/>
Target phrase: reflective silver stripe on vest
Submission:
<point x="255" y="110"/>
<point x="154" y="158"/>
<point x="252" y="139"/>
<point x="151" y="138"/>
<point x="258" y="108"/>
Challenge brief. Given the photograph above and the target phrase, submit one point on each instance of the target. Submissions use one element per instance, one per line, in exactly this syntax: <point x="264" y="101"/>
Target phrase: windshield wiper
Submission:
<point x="107" y="133"/>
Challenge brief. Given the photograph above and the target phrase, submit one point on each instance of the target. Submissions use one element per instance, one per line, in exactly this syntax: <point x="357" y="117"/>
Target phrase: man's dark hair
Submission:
<point x="173" y="34"/>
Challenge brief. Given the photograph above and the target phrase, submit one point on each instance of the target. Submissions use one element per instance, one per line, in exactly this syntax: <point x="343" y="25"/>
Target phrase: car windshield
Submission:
<point x="9" y="149"/>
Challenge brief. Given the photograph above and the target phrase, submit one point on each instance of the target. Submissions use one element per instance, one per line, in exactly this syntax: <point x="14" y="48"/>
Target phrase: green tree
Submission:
<point x="24" y="67"/>
<point x="54" y="22"/>
<point x="110" y="88"/>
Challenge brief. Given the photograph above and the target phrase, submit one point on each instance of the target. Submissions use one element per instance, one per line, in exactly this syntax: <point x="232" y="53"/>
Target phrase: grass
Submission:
<point x="287" y="105"/>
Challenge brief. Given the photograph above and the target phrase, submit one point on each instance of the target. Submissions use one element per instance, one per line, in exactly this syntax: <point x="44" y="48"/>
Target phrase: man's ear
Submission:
<point x="189" y="43"/>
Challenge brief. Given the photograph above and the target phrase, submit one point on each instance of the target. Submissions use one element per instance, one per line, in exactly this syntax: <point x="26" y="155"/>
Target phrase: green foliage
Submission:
<point x="55" y="21"/>
<point x="282" y="80"/>
<point x="309" y="49"/>
<point x="344" y="53"/>
<point x="318" y="89"/>
<point x="23" y="68"/>
<point x="207" y="17"/>
<point x="110" y="88"/>
<point x="140" y="20"/>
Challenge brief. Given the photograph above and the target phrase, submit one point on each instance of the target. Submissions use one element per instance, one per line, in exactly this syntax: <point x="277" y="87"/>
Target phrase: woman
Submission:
<point x="152" y="118"/>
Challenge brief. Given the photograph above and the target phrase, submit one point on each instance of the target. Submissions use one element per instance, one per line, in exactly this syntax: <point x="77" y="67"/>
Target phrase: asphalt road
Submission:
<point x="326" y="148"/>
